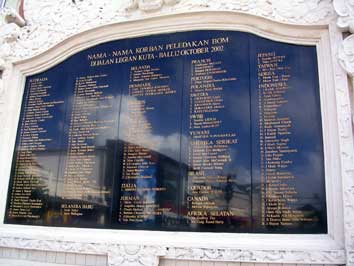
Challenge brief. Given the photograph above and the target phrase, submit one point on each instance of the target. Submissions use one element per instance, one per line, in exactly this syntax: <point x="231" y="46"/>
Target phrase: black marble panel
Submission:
<point x="205" y="131"/>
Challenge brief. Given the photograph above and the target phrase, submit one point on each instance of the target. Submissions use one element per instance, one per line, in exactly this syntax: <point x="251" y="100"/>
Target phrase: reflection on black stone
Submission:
<point x="91" y="208"/>
<point x="193" y="131"/>
<point x="147" y="199"/>
<point x="288" y="154"/>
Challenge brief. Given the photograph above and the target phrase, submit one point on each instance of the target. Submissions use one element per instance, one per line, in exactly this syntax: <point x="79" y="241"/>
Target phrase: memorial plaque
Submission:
<point x="287" y="151"/>
<point x="216" y="136"/>
<point x="205" y="131"/>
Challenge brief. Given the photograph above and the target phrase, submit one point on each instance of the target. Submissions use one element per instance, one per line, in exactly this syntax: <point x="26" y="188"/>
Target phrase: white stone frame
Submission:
<point x="144" y="247"/>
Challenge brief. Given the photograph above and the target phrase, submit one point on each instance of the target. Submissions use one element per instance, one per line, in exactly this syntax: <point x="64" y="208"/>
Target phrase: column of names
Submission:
<point x="29" y="175"/>
<point x="89" y="99"/>
<point x="139" y="185"/>
<point x="278" y="195"/>
<point x="209" y="147"/>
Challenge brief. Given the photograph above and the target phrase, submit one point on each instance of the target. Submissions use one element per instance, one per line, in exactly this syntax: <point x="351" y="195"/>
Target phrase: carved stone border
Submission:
<point x="345" y="56"/>
<point x="144" y="255"/>
<point x="52" y="27"/>
<point x="49" y="22"/>
<point x="118" y="255"/>
<point x="345" y="22"/>
<point x="256" y="256"/>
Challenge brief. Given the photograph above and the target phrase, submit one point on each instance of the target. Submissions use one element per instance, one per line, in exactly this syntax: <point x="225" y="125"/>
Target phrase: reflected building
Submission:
<point x="201" y="133"/>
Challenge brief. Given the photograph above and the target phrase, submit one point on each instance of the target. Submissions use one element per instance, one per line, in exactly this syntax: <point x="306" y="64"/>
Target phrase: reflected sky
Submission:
<point x="155" y="113"/>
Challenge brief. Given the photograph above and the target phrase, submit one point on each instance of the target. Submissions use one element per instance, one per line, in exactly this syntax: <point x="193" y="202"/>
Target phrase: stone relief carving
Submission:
<point x="9" y="34"/>
<point x="118" y="255"/>
<point x="346" y="54"/>
<point x="148" y="5"/>
<point x="130" y="255"/>
<point x="11" y="16"/>
<point x="140" y="255"/>
<point x="345" y="11"/>
<point x="297" y="11"/>
<point x="254" y="256"/>
<point x="50" y="22"/>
